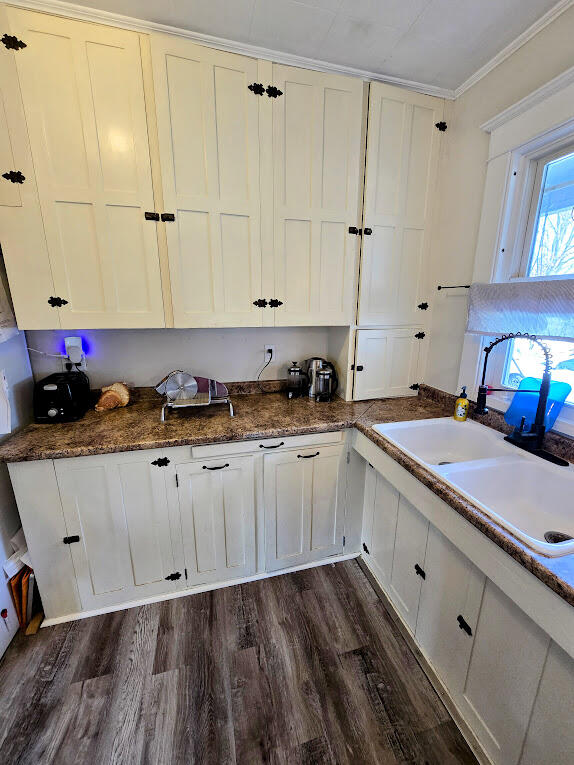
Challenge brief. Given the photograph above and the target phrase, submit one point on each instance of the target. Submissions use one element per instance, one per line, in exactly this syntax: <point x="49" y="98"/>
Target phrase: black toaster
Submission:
<point x="62" y="397"/>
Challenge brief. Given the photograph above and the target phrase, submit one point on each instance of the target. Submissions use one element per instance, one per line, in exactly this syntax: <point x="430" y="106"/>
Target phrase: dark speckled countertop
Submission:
<point x="270" y="415"/>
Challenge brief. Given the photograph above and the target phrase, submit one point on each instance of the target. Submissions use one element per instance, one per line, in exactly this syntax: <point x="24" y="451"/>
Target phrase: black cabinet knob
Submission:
<point x="368" y="231"/>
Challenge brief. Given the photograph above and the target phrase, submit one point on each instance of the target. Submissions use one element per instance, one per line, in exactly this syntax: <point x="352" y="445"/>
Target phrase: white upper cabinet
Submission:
<point x="209" y="148"/>
<point x="316" y="190"/>
<point x="387" y="362"/>
<point x="82" y="89"/>
<point x="400" y="188"/>
<point x="22" y="235"/>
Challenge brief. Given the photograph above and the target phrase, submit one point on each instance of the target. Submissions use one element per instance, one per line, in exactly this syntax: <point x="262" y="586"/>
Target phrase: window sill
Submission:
<point x="564" y="424"/>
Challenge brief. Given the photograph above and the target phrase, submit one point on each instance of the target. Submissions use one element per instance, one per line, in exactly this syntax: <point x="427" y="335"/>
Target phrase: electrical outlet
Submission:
<point x="75" y="353"/>
<point x="269" y="351"/>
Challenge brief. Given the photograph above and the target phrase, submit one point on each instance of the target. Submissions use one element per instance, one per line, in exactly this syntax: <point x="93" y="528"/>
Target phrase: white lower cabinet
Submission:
<point x="381" y="511"/>
<point x="304" y="505"/>
<point x="116" y="506"/>
<point x="448" y="609"/>
<point x="408" y="570"/>
<point x="550" y="736"/>
<point x="503" y="675"/>
<point x="510" y="684"/>
<point x="217" y="510"/>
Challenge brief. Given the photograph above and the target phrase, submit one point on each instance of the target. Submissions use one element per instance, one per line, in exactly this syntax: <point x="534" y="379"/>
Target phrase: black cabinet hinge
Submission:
<point x="260" y="303"/>
<point x="355" y="230"/>
<point x="177" y="480"/>
<point x="464" y="625"/>
<point x="420" y="335"/>
<point x="414" y="386"/>
<point x="366" y="549"/>
<point x="57" y="302"/>
<point x="173" y="577"/>
<point x="420" y="572"/>
<point x="367" y="231"/>
<point x="151" y="216"/>
<point x="344" y="541"/>
<point x="423" y="306"/>
<point x="273" y="92"/>
<point x="161" y="462"/>
<point x="274" y="303"/>
<point x="167" y="217"/>
<point x="12" y="43"/>
<point x="442" y="126"/>
<point x="185" y="572"/>
<point x="258" y="88"/>
<point x="71" y="540"/>
<point x="357" y="367"/>
<point x="14" y="176"/>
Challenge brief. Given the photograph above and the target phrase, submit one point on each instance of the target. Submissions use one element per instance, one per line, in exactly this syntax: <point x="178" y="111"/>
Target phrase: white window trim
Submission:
<point x="516" y="145"/>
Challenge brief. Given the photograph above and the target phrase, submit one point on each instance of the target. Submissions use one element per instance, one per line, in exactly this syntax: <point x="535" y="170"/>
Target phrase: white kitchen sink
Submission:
<point x="443" y="440"/>
<point x="531" y="498"/>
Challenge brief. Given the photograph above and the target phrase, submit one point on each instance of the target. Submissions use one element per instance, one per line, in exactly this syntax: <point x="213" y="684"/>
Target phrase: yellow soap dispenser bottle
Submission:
<point x="461" y="407"/>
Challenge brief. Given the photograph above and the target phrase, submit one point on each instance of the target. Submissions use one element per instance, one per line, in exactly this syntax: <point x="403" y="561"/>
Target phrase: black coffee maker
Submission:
<point x="297" y="381"/>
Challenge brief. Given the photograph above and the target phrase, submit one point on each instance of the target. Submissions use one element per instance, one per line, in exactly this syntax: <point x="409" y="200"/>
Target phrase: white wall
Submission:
<point x="142" y="357"/>
<point x="462" y="175"/>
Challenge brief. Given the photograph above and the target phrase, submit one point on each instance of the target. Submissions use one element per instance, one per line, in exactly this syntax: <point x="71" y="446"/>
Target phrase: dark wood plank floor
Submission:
<point x="301" y="668"/>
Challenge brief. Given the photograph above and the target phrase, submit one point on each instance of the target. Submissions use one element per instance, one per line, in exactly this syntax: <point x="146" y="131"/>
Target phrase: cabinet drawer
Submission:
<point x="266" y="445"/>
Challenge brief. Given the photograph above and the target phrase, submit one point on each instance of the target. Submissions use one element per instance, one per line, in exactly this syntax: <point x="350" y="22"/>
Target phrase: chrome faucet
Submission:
<point x="533" y="440"/>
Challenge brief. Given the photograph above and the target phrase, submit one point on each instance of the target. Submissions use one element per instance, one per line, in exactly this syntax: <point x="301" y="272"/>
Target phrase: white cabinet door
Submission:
<point x="550" y="737"/>
<point x="380" y="537"/>
<point x="117" y="505"/>
<point x="304" y="505"/>
<point x="408" y="561"/>
<point x="317" y="193"/>
<point x="209" y="148"/>
<point x="448" y="610"/>
<point x="23" y="241"/>
<point x="386" y="362"/>
<point x="83" y="95"/>
<point x="400" y="189"/>
<point x="503" y="676"/>
<point x="217" y="507"/>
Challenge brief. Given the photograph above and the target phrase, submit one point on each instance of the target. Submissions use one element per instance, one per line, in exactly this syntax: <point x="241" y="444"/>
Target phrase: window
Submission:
<point x="548" y="252"/>
<point x="549" y="246"/>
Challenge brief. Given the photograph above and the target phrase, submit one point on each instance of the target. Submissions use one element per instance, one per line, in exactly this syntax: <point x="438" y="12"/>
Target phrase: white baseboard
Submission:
<point x="193" y="590"/>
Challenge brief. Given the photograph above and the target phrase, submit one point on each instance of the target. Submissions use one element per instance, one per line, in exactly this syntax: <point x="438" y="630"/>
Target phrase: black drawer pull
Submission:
<point x="420" y="571"/>
<point x="274" y="446"/>
<point x="219" y="467"/>
<point x="307" y="456"/>
<point x="463" y="624"/>
<point x="71" y="540"/>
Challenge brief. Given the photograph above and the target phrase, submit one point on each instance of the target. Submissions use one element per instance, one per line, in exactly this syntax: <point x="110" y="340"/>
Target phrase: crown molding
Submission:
<point x="528" y="34"/>
<point x="532" y="99"/>
<point x="83" y="13"/>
